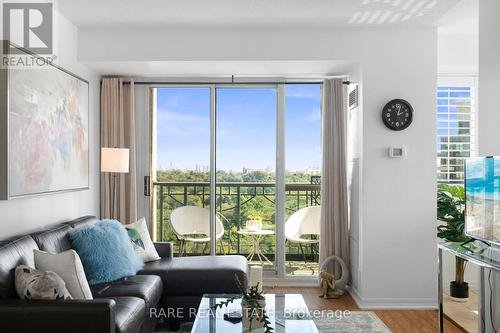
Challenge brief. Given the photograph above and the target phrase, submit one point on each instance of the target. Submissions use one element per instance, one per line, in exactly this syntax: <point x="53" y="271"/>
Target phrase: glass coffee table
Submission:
<point x="287" y="313"/>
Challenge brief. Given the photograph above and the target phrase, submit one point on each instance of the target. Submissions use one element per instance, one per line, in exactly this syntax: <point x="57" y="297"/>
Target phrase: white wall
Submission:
<point x="397" y="206"/>
<point x="27" y="214"/>
<point x="458" y="39"/>
<point x="489" y="77"/>
<point x="458" y="54"/>
<point x="489" y="109"/>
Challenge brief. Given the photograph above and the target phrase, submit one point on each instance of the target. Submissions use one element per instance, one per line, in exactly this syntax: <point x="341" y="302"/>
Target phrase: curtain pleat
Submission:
<point x="118" y="130"/>
<point x="334" y="239"/>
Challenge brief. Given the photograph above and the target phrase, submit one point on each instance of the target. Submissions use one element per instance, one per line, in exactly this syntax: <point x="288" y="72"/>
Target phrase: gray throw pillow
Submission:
<point x="36" y="284"/>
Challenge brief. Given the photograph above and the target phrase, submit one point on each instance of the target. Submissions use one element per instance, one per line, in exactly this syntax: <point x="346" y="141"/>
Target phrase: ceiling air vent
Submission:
<point x="353" y="96"/>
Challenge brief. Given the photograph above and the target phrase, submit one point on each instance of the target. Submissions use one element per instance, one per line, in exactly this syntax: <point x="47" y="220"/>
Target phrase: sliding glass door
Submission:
<point x="302" y="178"/>
<point x="246" y="173"/>
<point x="182" y="179"/>
<point x="256" y="148"/>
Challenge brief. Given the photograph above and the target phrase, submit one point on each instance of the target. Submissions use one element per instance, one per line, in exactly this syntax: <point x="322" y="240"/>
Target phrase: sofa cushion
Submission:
<point x="147" y="287"/>
<point x="35" y="284"/>
<point x="129" y="314"/>
<point x="53" y="240"/>
<point x="141" y="240"/>
<point x="105" y="251"/>
<point x="199" y="275"/>
<point x="68" y="266"/>
<point x="13" y="253"/>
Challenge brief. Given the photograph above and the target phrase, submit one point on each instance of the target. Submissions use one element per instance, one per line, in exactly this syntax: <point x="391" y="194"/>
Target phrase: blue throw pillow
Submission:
<point x="105" y="251"/>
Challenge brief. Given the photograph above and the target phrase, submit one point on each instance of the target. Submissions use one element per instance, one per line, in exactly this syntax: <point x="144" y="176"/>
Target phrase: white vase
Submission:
<point x="254" y="225"/>
<point x="251" y="318"/>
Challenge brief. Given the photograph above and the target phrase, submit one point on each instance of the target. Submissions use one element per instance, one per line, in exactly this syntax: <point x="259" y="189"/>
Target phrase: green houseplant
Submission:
<point x="253" y="303"/>
<point x="451" y="211"/>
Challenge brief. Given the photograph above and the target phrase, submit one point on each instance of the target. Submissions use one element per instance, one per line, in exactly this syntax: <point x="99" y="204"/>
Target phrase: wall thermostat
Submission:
<point x="397" y="152"/>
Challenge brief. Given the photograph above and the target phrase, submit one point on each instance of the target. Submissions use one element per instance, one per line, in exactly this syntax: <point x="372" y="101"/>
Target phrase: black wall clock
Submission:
<point x="397" y="114"/>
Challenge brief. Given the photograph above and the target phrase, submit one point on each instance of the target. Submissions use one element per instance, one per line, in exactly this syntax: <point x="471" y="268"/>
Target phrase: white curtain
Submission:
<point x="334" y="239"/>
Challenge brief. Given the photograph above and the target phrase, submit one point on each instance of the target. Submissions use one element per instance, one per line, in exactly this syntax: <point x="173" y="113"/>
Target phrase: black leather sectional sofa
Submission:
<point x="168" y="289"/>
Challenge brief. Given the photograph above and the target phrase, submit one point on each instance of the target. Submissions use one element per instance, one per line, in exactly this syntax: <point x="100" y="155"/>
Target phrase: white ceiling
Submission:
<point x="253" y="13"/>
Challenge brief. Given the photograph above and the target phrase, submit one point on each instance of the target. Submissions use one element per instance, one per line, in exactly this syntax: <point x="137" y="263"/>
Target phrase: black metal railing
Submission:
<point x="234" y="201"/>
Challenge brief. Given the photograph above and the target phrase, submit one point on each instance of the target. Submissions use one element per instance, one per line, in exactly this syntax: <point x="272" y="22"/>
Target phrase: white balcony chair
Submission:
<point x="305" y="221"/>
<point x="192" y="224"/>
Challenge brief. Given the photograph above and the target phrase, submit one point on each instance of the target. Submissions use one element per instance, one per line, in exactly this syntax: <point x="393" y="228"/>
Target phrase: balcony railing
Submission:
<point x="235" y="200"/>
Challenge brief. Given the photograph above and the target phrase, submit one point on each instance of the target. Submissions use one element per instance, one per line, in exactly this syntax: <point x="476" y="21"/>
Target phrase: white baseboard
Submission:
<point x="392" y="303"/>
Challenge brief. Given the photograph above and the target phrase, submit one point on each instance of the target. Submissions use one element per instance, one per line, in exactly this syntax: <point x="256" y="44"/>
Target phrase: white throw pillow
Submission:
<point x="68" y="266"/>
<point x="141" y="241"/>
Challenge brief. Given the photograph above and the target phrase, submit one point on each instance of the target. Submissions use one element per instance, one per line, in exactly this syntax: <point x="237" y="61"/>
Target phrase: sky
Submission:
<point x="246" y="128"/>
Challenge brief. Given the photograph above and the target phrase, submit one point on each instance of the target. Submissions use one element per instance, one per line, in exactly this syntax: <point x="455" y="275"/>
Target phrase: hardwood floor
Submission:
<point x="398" y="321"/>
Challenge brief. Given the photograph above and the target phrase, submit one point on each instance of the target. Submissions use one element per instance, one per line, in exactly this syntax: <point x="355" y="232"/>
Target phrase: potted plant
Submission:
<point x="450" y="209"/>
<point x="254" y="222"/>
<point x="253" y="313"/>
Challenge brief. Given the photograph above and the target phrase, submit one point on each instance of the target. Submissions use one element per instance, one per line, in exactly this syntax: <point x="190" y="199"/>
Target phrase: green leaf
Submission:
<point x="450" y="210"/>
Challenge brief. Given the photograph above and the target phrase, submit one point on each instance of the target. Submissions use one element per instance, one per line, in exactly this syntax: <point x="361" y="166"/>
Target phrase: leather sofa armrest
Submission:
<point x="57" y="316"/>
<point x="165" y="249"/>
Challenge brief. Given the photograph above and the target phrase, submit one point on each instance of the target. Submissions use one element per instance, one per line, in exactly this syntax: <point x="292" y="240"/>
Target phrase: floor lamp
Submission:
<point x="114" y="161"/>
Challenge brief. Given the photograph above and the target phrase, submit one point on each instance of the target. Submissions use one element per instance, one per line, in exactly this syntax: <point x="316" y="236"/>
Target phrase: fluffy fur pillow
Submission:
<point x="36" y="284"/>
<point x="105" y="251"/>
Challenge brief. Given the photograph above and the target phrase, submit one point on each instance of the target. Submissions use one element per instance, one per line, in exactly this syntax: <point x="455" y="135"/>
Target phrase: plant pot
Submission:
<point x="254" y="225"/>
<point x="460" y="291"/>
<point x="251" y="318"/>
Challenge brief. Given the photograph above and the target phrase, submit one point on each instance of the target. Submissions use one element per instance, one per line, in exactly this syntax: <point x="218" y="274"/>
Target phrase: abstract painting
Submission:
<point x="48" y="129"/>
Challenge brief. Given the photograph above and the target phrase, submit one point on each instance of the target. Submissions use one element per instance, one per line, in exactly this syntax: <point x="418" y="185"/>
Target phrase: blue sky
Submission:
<point x="246" y="128"/>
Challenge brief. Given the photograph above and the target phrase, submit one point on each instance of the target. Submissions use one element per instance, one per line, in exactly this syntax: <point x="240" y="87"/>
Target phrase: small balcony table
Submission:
<point x="256" y="238"/>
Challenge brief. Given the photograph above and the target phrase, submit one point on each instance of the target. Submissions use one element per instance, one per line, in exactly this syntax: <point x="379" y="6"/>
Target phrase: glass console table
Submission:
<point x="478" y="253"/>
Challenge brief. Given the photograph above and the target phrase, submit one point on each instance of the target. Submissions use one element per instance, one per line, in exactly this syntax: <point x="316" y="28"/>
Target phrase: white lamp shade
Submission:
<point x="115" y="160"/>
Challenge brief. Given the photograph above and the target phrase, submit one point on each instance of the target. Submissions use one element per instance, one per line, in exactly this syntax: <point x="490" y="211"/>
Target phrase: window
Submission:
<point x="456" y="127"/>
<point x="247" y="154"/>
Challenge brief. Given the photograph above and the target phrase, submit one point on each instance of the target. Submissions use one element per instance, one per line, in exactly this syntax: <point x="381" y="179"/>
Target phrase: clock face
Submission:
<point x="397" y="114"/>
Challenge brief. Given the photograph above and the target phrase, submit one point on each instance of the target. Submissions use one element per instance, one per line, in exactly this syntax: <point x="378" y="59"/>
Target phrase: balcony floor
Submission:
<point x="301" y="268"/>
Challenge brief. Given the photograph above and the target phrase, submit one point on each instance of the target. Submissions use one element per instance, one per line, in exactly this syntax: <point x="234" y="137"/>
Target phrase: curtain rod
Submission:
<point x="228" y="83"/>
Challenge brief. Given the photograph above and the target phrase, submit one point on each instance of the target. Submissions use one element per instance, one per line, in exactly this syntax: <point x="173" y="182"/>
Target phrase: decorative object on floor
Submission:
<point x="327" y="285"/>
<point x="141" y="240"/>
<point x="397" y="114"/>
<point x="118" y="130"/>
<point x="253" y="308"/>
<point x="36" y="284"/>
<point x="255" y="278"/>
<point x="106" y="251"/>
<point x="334" y="225"/>
<point x="330" y="287"/>
<point x="357" y="321"/>
<point x="450" y="209"/>
<point x="69" y="267"/>
<point x="44" y="130"/>
<point x="254" y="223"/>
<point x="114" y="161"/>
